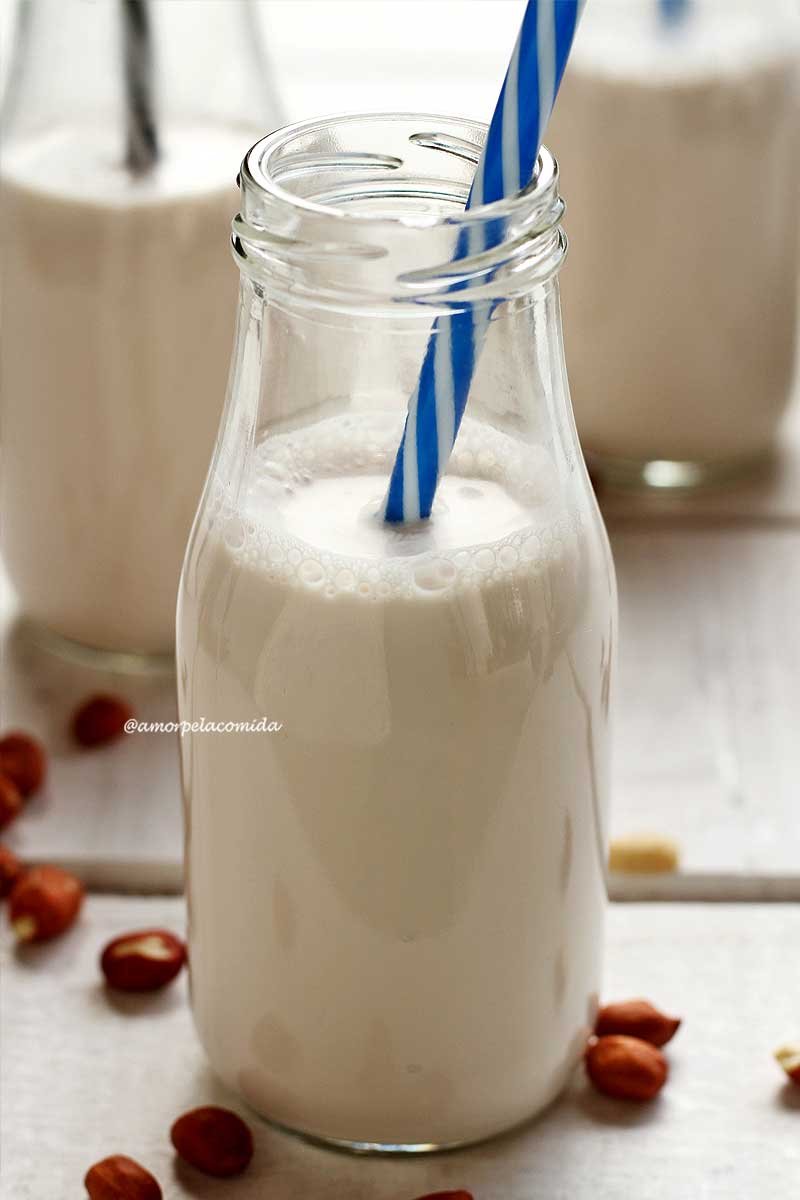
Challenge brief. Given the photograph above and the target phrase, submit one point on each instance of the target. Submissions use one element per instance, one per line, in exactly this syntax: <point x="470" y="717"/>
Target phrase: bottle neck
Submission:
<point x="365" y="215"/>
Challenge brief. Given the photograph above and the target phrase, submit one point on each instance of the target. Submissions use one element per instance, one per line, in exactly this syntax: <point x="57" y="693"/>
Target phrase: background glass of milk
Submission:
<point x="402" y="887"/>
<point x="117" y="301"/>
<point x="678" y="137"/>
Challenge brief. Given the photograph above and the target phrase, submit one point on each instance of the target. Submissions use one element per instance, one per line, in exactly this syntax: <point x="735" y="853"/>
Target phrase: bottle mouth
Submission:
<point x="370" y="209"/>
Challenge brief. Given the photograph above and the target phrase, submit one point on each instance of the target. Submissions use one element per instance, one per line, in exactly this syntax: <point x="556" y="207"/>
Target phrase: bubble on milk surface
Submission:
<point x="273" y="471"/>
<point x="485" y="560"/>
<point x="434" y="574"/>
<point x="400" y="561"/>
<point x="345" y="580"/>
<point x="234" y="533"/>
<point x="311" y="572"/>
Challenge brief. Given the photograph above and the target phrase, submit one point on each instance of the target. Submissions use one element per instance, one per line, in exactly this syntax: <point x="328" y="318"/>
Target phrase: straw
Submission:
<point x="673" y="11"/>
<point x="142" y="139"/>
<point x="505" y="167"/>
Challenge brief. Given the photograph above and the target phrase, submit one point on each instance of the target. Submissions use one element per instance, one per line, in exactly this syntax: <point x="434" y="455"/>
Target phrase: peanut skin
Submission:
<point x="120" y="1178"/>
<point x="23" y="760"/>
<point x="11" y="871"/>
<point x="626" y="1068"/>
<point x="457" y="1195"/>
<point x="214" y="1140"/>
<point x="44" y="904"/>
<point x="10" y="801"/>
<point x="100" y="720"/>
<point x="143" y="961"/>
<point x="639" y="1019"/>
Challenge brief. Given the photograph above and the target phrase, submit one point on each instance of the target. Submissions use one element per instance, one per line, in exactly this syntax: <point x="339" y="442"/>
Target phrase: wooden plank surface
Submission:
<point x="706" y="744"/>
<point x="85" y="1075"/>
<point x="111" y="814"/>
<point x="708" y="693"/>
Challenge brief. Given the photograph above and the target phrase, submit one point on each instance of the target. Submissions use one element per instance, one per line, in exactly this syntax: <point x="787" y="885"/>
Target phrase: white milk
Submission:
<point x="396" y="901"/>
<point x="118" y="298"/>
<point x="679" y="160"/>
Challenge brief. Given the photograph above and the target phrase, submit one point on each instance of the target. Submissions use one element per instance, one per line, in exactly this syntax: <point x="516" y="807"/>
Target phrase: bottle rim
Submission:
<point x="369" y="207"/>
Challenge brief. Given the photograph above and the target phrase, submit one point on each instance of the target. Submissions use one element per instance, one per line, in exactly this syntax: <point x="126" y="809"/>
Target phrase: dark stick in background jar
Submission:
<point x="141" y="134"/>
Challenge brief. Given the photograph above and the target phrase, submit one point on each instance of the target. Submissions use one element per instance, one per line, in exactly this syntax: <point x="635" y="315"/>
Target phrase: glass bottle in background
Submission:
<point x="123" y="128"/>
<point x="678" y="136"/>
<point x="402" y="886"/>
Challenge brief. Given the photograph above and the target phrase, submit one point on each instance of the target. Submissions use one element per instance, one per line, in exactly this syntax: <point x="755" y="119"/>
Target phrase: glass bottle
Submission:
<point x="396" y="782"/>
<point x="676" y="133"/>
<point x="123" y="128"/>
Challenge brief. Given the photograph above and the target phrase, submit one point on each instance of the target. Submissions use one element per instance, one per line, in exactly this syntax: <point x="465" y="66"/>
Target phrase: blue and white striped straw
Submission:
<point x="505" y="167"/>
<point x="673" y="11"/>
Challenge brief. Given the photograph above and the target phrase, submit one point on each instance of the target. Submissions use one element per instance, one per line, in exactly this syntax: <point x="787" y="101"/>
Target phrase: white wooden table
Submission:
<point x="707" y="751"/>
<point x="84" y="1076"/>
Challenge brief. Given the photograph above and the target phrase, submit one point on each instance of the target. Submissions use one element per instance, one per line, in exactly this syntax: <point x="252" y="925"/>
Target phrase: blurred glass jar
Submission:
<point x="123" y="128"/>
<point x="678" y="138"/>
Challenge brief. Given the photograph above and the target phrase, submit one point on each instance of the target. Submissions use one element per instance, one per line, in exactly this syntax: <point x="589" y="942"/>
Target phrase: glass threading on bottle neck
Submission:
<point x="366" y="213"/>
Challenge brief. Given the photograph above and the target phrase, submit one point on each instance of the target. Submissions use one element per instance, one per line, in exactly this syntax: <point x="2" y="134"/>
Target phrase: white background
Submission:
<point x="446" y="56"/>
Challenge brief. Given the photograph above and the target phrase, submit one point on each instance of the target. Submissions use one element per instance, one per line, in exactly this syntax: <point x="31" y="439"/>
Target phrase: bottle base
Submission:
<point x="399" y="1149"/>
<point x="118" y="662"/>
<point x="674" y="476"/>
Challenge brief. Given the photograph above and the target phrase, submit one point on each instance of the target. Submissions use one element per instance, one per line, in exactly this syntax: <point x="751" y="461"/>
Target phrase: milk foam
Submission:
<point x="311" y="512"/>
